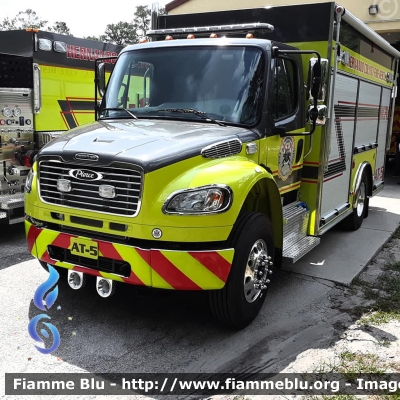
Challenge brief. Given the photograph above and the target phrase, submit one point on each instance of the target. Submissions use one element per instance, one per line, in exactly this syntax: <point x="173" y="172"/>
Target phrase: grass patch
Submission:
<point x="335" y="397"/>
<point x="359" y="282"/>
<point x="384" y="343"/>
<point x="392" y="396"/>
<point x="386" y="293"/>
<point x="352" y="364"/>
<point x="393" y="266"/>
<point x="379" y="317"/>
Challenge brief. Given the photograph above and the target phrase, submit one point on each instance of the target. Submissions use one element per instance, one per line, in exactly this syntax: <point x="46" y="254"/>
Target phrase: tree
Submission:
<point x="8" y="24"/>
<point x="60" y="27"/>
<point x="29" y="19"/>
<point x="141" y="21"/>
<point x="24" y="19"/>
<point x="92" y="38"/>
<point x="122" y="33"/>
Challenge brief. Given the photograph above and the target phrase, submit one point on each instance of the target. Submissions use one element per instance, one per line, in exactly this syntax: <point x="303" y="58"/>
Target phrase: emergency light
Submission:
<point x="218" y="28"/>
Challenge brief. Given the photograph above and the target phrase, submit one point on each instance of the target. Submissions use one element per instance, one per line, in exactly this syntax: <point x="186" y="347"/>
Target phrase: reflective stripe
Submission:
<point x="169" y="272"/>
<point x="44" y="239"/>
<point x="111" y="276"/>
<point x="159" y="282"/>
<point x="213" y="261"/>
<point x="227" y="254"/>
<point x="138" y="263"/>
<point x="195" y="271"/>
<point x="165" y="269"/>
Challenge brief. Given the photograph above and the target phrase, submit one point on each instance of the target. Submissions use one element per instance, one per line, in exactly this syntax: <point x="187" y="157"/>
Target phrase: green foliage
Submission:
<point x="29" y="19"/>
<point x="60" y="27"/>
<point x="141" y="21"/>
<point x="122" y="33"/>
<point x="23" y="20"/>
<point x="92" y="38"/>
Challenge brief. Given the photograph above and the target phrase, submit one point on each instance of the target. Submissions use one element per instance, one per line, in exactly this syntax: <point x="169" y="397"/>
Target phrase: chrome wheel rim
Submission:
<point x="256" y="271"/>
<point x="360" y="199"/>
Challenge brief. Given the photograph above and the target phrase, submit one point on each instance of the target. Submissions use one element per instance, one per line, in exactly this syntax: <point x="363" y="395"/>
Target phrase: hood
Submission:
<point x="151" y="144"/>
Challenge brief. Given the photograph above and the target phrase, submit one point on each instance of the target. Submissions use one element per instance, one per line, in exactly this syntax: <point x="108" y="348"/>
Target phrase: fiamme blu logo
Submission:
<point x="44" y="298"/>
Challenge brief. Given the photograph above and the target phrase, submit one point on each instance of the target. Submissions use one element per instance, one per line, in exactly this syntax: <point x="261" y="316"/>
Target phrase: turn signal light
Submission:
<point x="169" y="38"/>
<point x="213" y="35"/>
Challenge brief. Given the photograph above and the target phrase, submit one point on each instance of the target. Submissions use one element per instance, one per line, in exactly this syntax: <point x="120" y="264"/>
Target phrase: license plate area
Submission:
<point x="84" y="248"/>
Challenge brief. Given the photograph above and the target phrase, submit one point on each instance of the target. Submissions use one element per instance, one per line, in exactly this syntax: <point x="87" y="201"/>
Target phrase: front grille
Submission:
<point x="101" y="264"/>
<point x="85" y="194"/>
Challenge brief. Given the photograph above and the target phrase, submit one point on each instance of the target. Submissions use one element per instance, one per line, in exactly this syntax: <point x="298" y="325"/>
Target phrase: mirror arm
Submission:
<point x="97" y="81"/>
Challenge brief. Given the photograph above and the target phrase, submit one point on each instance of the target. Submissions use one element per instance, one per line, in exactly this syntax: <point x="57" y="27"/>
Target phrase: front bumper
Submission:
<point x="164" y="269"/>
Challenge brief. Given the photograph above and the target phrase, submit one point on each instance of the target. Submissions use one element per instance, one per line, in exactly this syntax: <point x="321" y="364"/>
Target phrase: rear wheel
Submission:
<point x="354" y="220"/>
<point x="240" y="301"/>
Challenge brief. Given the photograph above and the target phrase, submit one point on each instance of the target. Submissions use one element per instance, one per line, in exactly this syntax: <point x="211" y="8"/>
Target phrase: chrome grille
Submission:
<point x="222" y="149"/>
<point x="85" y="194"/>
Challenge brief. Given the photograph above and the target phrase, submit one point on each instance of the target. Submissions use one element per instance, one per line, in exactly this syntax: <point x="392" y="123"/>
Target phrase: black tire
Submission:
<point x="355" y="219"/>
<point x="230" y="305"/>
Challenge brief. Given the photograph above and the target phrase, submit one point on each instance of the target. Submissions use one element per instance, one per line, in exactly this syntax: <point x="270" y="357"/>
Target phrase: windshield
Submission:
<point x="225" y="83"/>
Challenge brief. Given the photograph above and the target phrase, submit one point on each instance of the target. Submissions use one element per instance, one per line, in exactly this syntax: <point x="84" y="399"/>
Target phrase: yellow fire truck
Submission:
<point x="258" y="131"/>
<point x="46" y="88"/>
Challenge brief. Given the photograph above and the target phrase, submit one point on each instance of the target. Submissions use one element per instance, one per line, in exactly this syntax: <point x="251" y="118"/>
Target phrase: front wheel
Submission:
<point x="240" y="301"/>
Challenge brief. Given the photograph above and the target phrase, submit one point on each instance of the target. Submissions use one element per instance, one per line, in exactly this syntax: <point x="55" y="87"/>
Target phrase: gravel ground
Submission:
<point x="369" y="312"/>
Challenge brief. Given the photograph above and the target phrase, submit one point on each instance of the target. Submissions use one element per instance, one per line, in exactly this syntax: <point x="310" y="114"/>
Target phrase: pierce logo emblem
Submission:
<point x="85" y="175"/>
<point x="86" y="156"/>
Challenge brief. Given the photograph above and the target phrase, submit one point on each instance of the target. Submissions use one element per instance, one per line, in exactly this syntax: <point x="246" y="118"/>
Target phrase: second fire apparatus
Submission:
<point x="46" y="88"/>
<point x="218" y="177"/>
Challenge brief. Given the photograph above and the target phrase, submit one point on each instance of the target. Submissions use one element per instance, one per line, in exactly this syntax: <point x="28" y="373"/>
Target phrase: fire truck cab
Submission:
<point x="259" y="131"/>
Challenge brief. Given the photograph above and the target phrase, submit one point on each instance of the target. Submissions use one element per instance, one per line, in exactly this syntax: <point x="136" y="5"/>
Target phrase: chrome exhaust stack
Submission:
<point x="76" y="280"/>
<point x="105" y="287"/>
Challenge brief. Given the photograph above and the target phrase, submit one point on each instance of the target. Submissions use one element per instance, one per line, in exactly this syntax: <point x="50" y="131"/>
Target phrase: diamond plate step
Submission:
<point x="3" y="215"/>
<point x="12" y="201"/>
<point x="299" y="249"/>
<point x="295" y="222"/>
<point x="16" y="220"/>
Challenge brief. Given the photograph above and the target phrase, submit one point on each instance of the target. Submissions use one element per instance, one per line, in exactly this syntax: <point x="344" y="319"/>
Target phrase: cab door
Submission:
<point x="285" y="151"/>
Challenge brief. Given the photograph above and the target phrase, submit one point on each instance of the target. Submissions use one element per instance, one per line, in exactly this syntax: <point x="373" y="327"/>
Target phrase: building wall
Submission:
<point x="387" y="19"/>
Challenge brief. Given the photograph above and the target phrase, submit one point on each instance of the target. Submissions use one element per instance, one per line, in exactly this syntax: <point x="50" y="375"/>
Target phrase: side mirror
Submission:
<point x="317" y="79"/>
<point x="318" y="114"/>
<point x="101" y="78"/>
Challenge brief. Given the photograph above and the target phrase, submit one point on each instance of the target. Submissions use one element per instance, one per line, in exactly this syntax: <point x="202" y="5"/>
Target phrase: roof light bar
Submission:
<point x="219" y="28"/>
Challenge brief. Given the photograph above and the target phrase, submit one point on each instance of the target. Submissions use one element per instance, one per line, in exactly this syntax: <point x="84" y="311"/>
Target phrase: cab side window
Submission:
<point x="285" y="95"/>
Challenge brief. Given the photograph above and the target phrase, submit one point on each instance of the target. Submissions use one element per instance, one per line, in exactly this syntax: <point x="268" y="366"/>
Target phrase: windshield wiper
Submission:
<point x="201" y="114"/>
<point x="119" y="109"/>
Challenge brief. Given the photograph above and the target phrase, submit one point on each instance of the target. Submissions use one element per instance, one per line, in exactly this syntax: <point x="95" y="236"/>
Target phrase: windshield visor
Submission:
<point x="226" y="83"/>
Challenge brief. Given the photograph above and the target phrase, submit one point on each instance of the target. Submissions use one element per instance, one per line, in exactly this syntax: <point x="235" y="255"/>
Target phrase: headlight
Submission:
<point x="202" y="200"/>
<point x="29" y="180"/>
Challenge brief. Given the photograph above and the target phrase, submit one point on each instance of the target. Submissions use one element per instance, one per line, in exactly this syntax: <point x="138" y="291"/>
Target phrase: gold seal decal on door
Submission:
<point x="286" y="157"/>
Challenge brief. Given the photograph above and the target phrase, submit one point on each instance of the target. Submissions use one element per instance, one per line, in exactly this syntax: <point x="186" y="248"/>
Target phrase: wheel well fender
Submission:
<point x="264" y="197"/>
<point x="363" y="168"/>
